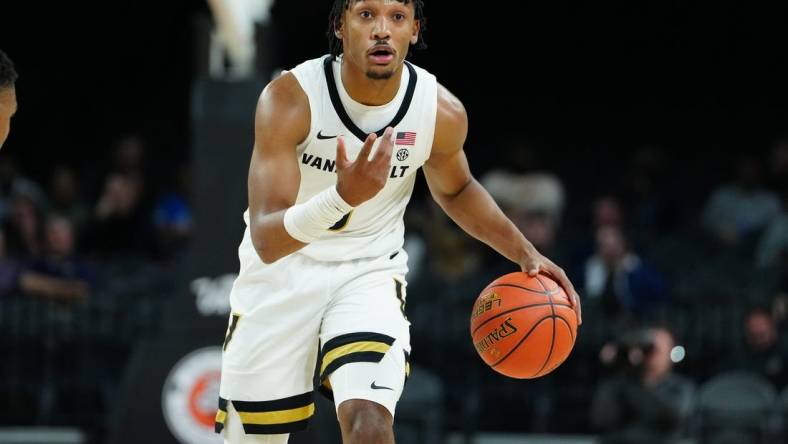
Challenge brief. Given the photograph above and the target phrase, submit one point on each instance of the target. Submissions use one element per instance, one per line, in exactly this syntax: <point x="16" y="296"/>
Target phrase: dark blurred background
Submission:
<point x="641" y="145"/>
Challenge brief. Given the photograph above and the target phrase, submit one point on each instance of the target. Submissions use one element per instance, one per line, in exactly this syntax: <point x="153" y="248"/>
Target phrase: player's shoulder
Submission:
<point x="292" y="88"/>
<point x="451" y="111"/>
<point x="284" y="94"/>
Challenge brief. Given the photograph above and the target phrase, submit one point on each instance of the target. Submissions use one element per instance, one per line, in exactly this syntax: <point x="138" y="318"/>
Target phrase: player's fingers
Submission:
<point x="383" y="152"/>
<point x="532" y="268"/>
<point x="363" y="155"/>
<point x="555" y="272"/>
<point x="342" y="160"/>
<point x="574" y="301"/>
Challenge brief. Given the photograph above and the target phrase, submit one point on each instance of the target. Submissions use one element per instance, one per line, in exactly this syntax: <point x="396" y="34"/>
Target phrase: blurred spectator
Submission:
<point x="618" y="280"/>
<point x="778" y="165"/>
<point x="650" y="191"/>
<point x="23" y="227"/>
<point x="12" y="182"/>
<point x="607" y="211"/>
<point x="65" y="197"/>
<point x="121" y="225"/>
<point x="172" y="216"/>
<point x="60" y="274"/>
<point x="735" y="212"/>
<point x="9" y="270"/>
<point x="772" y="249"/>
<point x="128" y="156"/>
<point x="533" y="201"/>
<point x="645" y="402"/>
<point x="765" y="351"/>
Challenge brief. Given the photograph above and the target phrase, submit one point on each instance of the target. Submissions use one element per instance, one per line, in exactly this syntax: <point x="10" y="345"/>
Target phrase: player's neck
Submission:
<point x="370" y="92"/>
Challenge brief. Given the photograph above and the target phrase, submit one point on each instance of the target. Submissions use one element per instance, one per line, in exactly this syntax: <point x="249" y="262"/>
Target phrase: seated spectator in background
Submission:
<point x="172" y="216"/>
<point x="128" y="155"/>
<point x="765" y="351"/>
<point x="778" y="165"/>
<point x="772" y="249"/>
<point x="9" y="271"/>
<point x="737" y="211"/>
<point x="65" y="199"/>
<point x="645" y="402"/>
<point x="121" y="225"/>
<point x="618" y="280"/>
<point x="60" y="274"/>
<point x="649" y="191"/>
<point x="23" y="226"/>
<point x="12" y="182"/>
<point x="533" y="201"/>
<point x="607" y="211"/>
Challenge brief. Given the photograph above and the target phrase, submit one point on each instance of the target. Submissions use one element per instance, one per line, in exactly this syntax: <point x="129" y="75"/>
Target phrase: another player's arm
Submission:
<point x="469" y="204"/>
<point x="282" y="122"/>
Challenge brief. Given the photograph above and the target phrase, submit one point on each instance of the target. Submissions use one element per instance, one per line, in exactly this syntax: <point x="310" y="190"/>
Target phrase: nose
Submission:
<point x="381" y="30"/>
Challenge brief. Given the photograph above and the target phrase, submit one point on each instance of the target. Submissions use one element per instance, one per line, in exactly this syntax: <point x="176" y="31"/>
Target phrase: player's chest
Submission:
<point x="318" y="157"/>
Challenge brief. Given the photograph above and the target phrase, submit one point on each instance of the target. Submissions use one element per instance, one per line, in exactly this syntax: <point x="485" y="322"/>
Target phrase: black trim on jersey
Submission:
<point x="326" y="392"/>
<point x="275" y="429"/>
<point x="356" y="337"/>
<point x="233" y="325"/>
<point x="366" y="356"/>
<point x="292" y="402"/>
<point x="218" y="426"/>
<point x="343" y="115"/>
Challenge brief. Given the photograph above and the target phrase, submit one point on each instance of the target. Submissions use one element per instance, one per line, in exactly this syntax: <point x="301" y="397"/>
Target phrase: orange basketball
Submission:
<point x="523" y="327"/>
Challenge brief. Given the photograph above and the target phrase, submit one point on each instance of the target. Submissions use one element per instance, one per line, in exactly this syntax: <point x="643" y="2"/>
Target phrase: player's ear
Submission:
<point x="339" y="29"/>
<point x="414" y="38"/>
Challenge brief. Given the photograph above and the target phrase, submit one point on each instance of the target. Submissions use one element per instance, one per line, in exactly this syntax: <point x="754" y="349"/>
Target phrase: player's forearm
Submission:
<point x="271" y="241"/>
<point x="475" y="211"/>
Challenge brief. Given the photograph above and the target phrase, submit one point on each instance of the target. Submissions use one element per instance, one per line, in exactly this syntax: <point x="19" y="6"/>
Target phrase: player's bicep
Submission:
<point x="274" y="178"/>
<point x="447" y="170"/>
<point x="281" y="123"/>
<point x="447" y="174"/>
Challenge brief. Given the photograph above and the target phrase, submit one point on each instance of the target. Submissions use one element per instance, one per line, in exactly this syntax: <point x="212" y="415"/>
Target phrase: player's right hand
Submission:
<point x="362" y="179"/>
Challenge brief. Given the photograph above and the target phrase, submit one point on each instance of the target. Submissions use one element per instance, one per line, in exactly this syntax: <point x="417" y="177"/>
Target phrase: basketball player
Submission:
<point x="338" y="141"/>
<point x="8" y="105"/>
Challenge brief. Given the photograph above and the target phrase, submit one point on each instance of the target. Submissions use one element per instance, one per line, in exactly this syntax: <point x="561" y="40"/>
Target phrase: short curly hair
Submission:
<point x="335" y="21"/>
<point x="8" y="74"/>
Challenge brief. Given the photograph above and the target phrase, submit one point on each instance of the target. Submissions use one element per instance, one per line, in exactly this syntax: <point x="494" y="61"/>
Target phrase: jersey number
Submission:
<point x="231" y="330"/>
<point x="399" y="288"/>
<point x="342" y="223"/>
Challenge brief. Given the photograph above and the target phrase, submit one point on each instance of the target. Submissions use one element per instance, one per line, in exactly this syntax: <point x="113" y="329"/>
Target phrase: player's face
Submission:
<point x="376" y="35"/>
<point x="7" y="110"/>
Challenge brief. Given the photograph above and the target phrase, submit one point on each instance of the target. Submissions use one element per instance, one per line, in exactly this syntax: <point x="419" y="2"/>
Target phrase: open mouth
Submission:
<point x="382" y="54"/>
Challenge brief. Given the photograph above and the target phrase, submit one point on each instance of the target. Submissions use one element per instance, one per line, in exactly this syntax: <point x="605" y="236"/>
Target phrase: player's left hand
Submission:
<point x="533" y="263"/>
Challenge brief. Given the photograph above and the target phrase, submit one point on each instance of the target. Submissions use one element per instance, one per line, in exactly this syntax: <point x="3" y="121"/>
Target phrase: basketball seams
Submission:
<point x="514" y="309"/>
<point x="568" y="326"/>
<point x="536" y="324"/>
<point x="552" y="340"/>
<point x="545" y="292"/>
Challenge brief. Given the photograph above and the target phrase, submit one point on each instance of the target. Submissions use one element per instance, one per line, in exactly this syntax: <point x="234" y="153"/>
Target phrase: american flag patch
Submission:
<point x="406" y="138"/>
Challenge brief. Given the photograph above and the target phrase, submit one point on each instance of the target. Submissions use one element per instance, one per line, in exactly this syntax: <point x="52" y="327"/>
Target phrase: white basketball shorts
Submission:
<point x="298" y="324"/>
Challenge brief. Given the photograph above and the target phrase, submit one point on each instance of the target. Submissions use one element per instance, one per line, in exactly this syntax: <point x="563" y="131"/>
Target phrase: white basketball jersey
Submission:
<point x="374" y="228"/>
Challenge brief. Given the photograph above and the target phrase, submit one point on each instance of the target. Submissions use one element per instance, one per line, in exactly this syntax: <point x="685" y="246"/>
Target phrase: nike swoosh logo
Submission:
<point x="379" y="387"/>
<point x="322" y="137"/>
